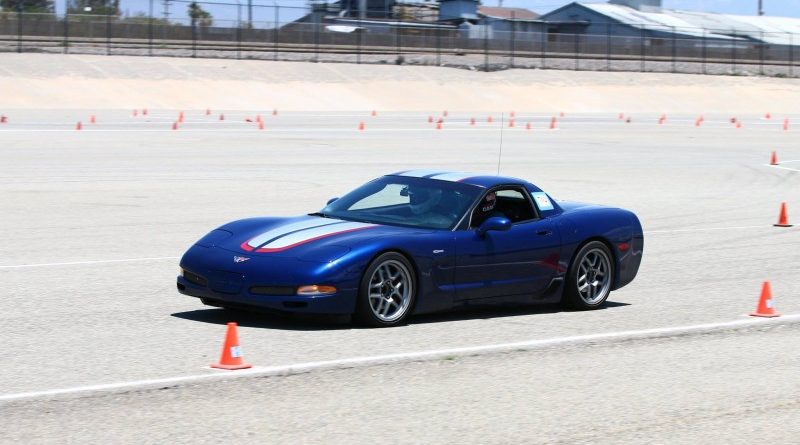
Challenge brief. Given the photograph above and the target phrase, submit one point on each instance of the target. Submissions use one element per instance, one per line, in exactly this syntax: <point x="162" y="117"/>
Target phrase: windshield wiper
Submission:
<point x="319" y="214"/>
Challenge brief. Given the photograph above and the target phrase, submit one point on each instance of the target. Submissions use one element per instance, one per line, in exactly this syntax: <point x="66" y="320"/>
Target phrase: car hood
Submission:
<point x="305" y="237"/>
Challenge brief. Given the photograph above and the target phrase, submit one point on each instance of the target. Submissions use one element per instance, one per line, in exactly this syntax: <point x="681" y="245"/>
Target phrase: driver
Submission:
<point x="485" y="209"/>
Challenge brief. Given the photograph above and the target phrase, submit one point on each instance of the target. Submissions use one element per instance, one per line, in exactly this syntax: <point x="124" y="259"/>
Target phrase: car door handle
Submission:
<point x="544" y="233"/>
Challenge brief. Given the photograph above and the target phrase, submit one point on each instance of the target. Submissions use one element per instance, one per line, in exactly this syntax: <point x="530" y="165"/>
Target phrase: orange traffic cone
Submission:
<point x="374" y="113"/>
<point x="511" y="123"/>
<point x="275" y="112"/>
<point x="621" y="116"/>
<point x="786" y="124"/>
<point x="92" y="119"/>
<point x="221" y="117"/>
<point x="79" y="126"/>
<point x="783" y="218"/>
<point x="180" y="117"/>
<point x="439" y="125"/>
<point x="430" y="119"/>
<point x="260" y="125"/>
<point x="135" y="113"/>
<point x="444" y="113"/>
<point x="738" y="124"/>
<point x="231" y="352"/>
<point x="3" y="119"/>
<point x="774" y="159"/>
<point x="512" y="114"/>
<point x="561" y="114"/>
<point x="144" y="112"/>
<point x="208" y="111"/>
<point x="698" y="122"/>
<point x="529" y="126"/>
<point x="361" y="126"/>
<point x="553" y="124"/>
<point x="765" y="306"/>
<point x="489" y="119"/>
<point x="174" y="125"/>
<point x="472" y="121"/>
<point x="767" y="116"/>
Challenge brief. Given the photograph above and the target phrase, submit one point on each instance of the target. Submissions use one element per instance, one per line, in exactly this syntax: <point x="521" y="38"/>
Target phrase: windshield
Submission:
<point x="406" y="201"/>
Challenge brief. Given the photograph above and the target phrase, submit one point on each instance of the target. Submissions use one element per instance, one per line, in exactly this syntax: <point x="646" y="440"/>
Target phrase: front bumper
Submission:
<point x="219" y="280"/>
<point x="342" y="302"/>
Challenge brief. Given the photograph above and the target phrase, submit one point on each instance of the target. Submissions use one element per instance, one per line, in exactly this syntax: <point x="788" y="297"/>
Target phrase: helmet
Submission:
<point x="488" y="202"/>
<point x="423" y="199"/>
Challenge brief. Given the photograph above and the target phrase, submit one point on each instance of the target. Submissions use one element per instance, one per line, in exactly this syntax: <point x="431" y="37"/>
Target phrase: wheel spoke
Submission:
<point x="389" y="304"/>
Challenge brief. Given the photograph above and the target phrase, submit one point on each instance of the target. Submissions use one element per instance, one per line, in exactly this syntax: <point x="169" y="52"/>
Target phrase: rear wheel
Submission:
<point x="387" y="291"/>
<point x="589" y="277"/>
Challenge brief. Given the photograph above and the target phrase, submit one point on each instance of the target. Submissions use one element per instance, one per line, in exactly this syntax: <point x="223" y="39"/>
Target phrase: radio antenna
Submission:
<point x="500" y="150"/>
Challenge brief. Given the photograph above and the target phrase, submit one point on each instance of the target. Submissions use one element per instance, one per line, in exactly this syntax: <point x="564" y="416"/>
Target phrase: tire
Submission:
<point x="387" y="291"/>
<point x="590" y="277"/>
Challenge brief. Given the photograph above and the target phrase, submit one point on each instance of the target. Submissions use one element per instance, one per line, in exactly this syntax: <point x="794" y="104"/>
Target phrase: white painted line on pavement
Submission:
<point x="435" y="354"/>
<point x="781" y="166"/>
<point x="72" y="263"/>
<point x="703" y="229"/>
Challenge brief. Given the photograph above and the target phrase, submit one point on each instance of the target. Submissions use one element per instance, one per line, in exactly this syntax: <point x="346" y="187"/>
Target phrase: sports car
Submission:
<point x="416" y="242"/>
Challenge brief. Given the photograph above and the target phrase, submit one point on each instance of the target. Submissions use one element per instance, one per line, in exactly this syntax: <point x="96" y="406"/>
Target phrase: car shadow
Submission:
<point x="309" y="322"/>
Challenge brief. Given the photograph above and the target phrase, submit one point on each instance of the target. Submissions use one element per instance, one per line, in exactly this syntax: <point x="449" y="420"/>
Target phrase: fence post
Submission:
<point x="513" y="37"/>
<point x="150" y="30"/>
<point x="674" y="50"/>
<point x="19" y="27"/>
<point x="194" y="37"/>
<point x="66" y="30"/>
<point x="543" y="44"/>
<point x="641" y="47"/>
<point x="316" y="39"/>
<point x="238" y="31"/>
<point x="277" y="29"/>
<point x="704" y="50"/>
<point x="108" y="33"/>
<point x="608" y="46"/>
<point x="486" y="47"/>
<point x="576" y="50"/>
<point x="438" y="46"/>
<point x="733" y="52"/>
<point x="397" y="41"/>
<point x="358" y="40"/>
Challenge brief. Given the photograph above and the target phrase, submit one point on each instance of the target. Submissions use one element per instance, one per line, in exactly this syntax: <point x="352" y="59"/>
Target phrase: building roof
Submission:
<point x="768" y="29"/>
<point x="508" y="13"/>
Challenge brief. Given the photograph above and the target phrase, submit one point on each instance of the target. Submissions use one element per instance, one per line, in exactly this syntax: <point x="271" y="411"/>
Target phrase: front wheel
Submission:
<point x="387" y="291"/>
<point x="589" y="277"/>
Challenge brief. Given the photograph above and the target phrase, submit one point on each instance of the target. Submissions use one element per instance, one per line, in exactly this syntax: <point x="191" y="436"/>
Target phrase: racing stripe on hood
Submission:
<point x="308" y="235"/>
<point x="286" y="229"/>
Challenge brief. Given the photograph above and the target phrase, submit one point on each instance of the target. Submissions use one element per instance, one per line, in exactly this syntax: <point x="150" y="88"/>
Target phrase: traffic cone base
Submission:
<point x="765" y="305"/>
<point x="783" y="218"/>
<point x="231" y="352"/>
<point x="774" y="159"/>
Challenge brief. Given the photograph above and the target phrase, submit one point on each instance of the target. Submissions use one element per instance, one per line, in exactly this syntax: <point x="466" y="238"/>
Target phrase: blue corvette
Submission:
<point x="416" y="242"/>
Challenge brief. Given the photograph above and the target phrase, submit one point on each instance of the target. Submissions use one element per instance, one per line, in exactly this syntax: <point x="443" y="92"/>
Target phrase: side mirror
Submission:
<point x="331" y="200"/>
<point x="494" y="223"/>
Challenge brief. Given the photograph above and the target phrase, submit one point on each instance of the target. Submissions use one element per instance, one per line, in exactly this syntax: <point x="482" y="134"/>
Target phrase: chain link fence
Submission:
<point x="299" y="34"/>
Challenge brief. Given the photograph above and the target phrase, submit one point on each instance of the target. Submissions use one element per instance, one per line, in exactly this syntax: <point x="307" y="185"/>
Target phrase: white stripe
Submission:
<point x="429" y="355"/>
<point x="306" y="235"/>
<point x="704" y="229"/>
<point x="421" y="173"/>
<point x="455" y="176"/>
<point x="71" y="263"/>
<point x="783" y="167"/>
<point x="284" y="229"/>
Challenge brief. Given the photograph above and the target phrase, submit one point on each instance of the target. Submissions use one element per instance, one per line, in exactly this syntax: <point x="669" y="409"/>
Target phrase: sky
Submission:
<point x="291" y="9"/>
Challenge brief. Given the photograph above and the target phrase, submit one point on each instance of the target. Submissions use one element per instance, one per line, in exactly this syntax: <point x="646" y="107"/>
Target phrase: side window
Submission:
<point x="511" y="203"/>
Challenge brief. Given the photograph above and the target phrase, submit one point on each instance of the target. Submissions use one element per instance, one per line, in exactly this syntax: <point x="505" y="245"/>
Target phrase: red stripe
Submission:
<point x="246" y="247"/>
<point x="279" y="249"/>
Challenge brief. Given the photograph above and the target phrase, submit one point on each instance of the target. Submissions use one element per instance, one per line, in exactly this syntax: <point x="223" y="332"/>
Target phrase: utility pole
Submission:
<point x="760" y="7"/>
<point x="166" y="10"/>
<point x="249" y="13"/>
